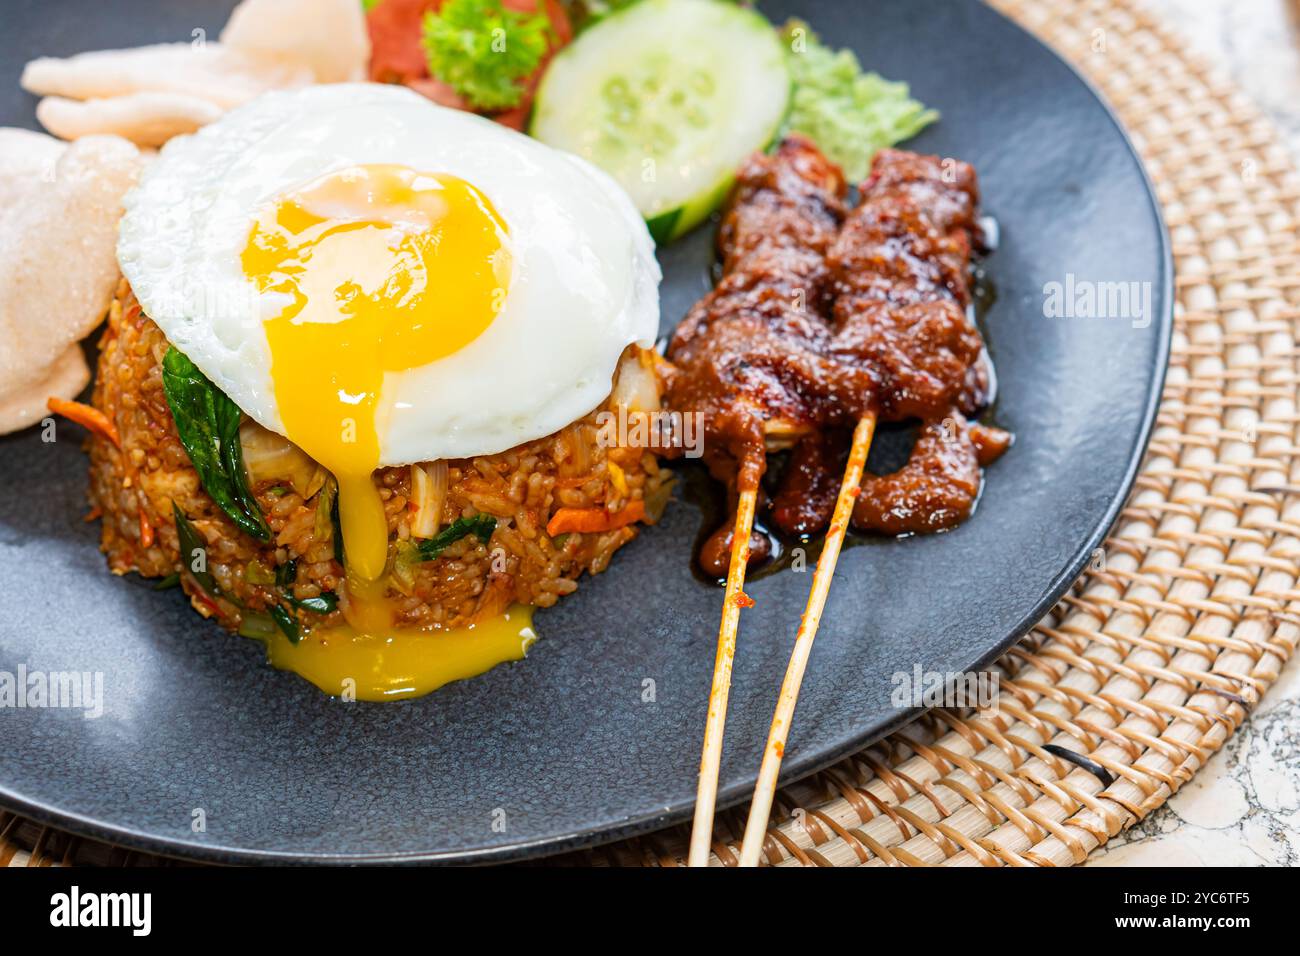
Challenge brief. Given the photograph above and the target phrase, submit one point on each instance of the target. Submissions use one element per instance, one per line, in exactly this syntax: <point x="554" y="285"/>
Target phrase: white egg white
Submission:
<point x="584" y="282"/>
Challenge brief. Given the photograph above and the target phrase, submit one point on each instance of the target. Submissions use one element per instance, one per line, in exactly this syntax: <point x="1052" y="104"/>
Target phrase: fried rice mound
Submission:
<point x="134" y="484"/>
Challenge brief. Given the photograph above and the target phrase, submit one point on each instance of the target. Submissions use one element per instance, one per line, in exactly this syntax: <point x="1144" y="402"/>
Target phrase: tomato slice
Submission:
<point x="397" y="53"/>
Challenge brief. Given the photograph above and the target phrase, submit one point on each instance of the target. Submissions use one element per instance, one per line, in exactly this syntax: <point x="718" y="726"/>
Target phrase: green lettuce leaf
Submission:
<point x="849" y="114"/>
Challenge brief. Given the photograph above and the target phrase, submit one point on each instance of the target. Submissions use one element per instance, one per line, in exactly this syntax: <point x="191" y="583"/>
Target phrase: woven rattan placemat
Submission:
<point x="1160" y="651"/>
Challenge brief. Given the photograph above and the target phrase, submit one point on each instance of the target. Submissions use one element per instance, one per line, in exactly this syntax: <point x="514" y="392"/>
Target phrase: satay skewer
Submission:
<point x="761" y="806"/>
<point x="711" y="759"/>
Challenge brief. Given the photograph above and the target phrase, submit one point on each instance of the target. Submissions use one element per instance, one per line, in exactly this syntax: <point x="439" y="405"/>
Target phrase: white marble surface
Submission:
<point x="1243" y="807"/>
<point x="1258" y="40"/>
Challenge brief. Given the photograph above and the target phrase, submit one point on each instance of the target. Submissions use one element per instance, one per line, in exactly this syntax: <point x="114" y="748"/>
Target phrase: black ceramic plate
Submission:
<point x="565" y="749"/>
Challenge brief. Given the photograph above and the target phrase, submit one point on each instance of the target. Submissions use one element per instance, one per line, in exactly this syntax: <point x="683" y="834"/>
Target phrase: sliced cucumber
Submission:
<point x="669" y="97"/>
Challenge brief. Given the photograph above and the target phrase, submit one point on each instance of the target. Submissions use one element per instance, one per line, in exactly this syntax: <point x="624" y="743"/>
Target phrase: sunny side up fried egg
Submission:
<point x="384" y="281"/>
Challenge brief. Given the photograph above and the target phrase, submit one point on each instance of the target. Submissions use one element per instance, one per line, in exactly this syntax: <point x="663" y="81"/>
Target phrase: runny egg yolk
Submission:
<point x="402" y="662"/>
<point x="383" y="268"/>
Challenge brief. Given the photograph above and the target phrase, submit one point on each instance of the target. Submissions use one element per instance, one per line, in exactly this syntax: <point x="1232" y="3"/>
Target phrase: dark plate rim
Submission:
<point x="793" y="769"/>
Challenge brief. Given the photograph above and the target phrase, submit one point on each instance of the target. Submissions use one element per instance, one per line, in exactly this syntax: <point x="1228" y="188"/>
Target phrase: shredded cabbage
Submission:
<point x="847" y="113"/>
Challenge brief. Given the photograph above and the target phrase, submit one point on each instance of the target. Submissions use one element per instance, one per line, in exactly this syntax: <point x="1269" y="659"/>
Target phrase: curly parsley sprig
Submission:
<point x="484" y="51"/>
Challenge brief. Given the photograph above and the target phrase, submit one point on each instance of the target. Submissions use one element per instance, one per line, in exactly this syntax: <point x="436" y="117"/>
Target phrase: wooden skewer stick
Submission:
<point x="707" y="792"/>
<point x="761" y="806"/>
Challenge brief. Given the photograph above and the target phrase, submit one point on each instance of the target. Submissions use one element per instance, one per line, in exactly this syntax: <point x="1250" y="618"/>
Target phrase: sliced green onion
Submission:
<point x="285" y="622"/>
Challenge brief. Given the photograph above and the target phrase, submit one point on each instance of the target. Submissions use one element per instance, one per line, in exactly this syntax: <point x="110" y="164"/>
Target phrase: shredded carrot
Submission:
<point x="146" y="531"/>
<point x="207" y="602"/>
<point x="87" y="416"/>
<point x="95" y="513"/>
<point x="743" y="600"/>
<point x="582" y="520"/>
